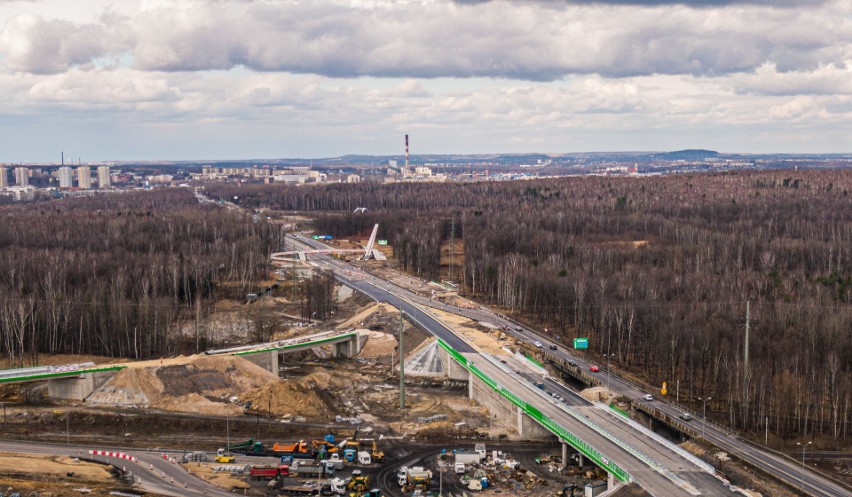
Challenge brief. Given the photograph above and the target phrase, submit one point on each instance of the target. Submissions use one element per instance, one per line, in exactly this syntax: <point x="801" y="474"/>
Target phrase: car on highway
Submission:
<point x="685" y="416"/>
<point x="537" y="344"/>
<point x="594" y="369"/>
<point x="647" y="396"/>
<point x="572" y="363"/>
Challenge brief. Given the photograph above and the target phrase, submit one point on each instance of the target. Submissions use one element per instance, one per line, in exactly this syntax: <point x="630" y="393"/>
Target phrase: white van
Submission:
<point x="459" y="468"/>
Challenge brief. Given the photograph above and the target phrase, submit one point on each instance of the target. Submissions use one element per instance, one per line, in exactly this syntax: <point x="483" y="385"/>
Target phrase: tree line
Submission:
<point x="656" y="271"/>
<point x="117" y="275"/>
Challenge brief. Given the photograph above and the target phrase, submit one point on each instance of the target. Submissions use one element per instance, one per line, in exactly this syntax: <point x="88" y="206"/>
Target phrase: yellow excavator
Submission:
<point x="378" y="456"/>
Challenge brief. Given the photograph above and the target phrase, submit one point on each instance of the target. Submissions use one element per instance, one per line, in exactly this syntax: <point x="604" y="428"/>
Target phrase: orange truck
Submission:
<point x="300" y="449"/>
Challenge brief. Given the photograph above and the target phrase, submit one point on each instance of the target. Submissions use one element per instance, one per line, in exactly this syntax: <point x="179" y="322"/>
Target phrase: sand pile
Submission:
<point x="202" y="384"/>
<point x="358" y="319"/>
<point x="377" y="344"/>
<point x="288" y="398"/>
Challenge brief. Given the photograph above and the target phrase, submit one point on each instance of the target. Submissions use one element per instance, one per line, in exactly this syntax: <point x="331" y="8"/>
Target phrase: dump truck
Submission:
<point x="249" y="448"/>
<point x="300" y="449"/>
<point x="359" y="482"/>
<point x="269" y="472"/>
<point x="336" y="486"/>
<point x="309" y="469"/>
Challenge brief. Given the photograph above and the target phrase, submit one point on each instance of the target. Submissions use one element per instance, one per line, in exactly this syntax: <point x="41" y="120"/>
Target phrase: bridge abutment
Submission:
<point x="77" y="387"/>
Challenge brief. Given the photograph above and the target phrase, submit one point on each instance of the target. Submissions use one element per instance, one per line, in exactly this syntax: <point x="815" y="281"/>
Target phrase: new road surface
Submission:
<point x="782" y="467"/>
<point x="671" y="475"/>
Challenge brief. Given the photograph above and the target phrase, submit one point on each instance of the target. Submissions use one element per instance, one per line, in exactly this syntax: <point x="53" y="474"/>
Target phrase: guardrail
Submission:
<point x="674" y="448"/>
<point x="48" y="375"/>
<point x="319" y="341"/>
<point x="537" y="415"/>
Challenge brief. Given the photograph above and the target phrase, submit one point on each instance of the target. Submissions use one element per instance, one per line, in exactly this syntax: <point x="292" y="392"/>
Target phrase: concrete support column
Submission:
<point x="610" y="481"/>
<point x="580" y="459"/>
<point x="564" y="455"/>
<point x="470" y="379"/>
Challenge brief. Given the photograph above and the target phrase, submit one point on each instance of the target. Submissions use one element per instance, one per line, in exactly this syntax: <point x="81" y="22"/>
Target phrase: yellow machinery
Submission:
<point x="378" y="456"/>
<point x="359" y="482"/>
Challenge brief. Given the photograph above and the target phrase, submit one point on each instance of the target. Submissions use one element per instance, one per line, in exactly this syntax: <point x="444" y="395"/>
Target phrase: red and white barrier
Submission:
<point x="120" y="455"/>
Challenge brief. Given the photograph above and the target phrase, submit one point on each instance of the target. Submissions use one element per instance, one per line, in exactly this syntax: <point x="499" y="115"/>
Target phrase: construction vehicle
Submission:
<point x="300" y="449"/>
<point x="325" y="446"/>
<point x="269" y="472"/>
<point x="378" y="456"/>
<point x="364" y="458"/>
<point x="223" y="458"/>
<point x="249" y="448"/>
<point x="359" y="482"/>
<point x="336" y="486"/>
<point x="309" y="469"/>
<point x="417" y="478"/>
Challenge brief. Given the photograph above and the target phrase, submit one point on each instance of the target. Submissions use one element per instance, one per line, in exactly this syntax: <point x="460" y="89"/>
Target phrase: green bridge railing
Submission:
<point x="554" y="427"/>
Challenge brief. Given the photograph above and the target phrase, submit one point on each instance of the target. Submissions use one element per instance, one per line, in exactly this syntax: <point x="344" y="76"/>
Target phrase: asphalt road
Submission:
<point x="783" y="467"/>
<point x="649" y="478"/>
<point x="152" y="473"/>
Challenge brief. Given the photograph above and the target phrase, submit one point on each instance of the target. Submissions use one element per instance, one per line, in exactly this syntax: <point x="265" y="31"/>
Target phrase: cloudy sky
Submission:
<point x="203" y="79"/>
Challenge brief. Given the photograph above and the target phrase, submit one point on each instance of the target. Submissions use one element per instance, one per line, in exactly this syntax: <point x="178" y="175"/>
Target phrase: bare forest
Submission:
<point x="656" y="271"/>
<point x="116" y="275"/>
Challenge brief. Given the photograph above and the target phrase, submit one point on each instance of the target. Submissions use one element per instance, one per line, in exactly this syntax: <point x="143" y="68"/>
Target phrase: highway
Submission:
<point x="683" y="478"/>
<point x="152" y="473"/>
<point x="782" y="467"/>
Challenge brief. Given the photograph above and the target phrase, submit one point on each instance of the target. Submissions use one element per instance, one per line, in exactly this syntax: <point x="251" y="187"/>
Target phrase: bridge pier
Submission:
<point x="503" y="411"/>
<point x="455" y="371"/>
<point x="267" y="360"/>
<point x="349" y="348"/>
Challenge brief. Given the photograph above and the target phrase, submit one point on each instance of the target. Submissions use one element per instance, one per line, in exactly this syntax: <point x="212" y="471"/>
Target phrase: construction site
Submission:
<point x="315" y="423"/>
<point x="322" y="425"/>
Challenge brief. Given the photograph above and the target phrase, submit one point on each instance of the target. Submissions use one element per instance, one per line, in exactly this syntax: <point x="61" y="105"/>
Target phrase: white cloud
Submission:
<point x="494" y="76"/>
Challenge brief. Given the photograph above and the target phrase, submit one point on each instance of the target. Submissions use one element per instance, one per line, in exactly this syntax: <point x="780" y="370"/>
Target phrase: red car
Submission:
<point x="594" y="369"/>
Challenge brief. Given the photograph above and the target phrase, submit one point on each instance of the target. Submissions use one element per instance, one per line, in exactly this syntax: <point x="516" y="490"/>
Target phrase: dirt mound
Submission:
<point x="202" y="384"/>
<point x="378" y="344"/>
<point x="288" y="398"/>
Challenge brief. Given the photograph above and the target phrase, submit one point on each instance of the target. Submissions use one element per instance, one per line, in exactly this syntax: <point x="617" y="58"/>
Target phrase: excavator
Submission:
<point x="378" y="456"/>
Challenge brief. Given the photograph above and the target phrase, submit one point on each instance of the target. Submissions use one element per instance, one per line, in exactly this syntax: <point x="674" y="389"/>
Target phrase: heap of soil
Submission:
<point x="200" y="384"/>
<point x="378" y="344"/>
<point x="288" y="398"/>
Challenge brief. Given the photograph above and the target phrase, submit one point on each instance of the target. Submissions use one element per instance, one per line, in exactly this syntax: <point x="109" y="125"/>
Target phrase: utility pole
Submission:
<point x="228" y="433"/>
<point x="68" y="428"/>
<point x="401" y="365"/>
<point x="452" y="247"/>
<point x="745" y="359"/>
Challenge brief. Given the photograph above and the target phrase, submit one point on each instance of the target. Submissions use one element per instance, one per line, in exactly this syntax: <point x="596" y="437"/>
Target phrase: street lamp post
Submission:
<point x="704" y="422"/>
<point x="804" y="446"/>
<point x="608" y="356"/>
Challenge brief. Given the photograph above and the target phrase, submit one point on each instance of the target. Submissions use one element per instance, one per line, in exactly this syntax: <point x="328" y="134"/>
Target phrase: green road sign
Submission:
<point x="581" y="343"/>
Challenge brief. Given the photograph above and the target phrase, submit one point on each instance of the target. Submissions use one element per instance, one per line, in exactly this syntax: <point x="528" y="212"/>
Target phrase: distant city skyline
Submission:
<point x="242" y="79"/>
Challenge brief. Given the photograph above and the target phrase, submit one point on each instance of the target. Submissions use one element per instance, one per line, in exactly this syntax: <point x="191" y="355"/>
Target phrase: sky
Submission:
<point x="240" y="79"/>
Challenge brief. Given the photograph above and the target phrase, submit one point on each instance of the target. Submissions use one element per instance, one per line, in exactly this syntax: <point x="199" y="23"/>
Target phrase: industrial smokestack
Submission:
<point x="63" y="157"/>
<point x="406" y="151"/>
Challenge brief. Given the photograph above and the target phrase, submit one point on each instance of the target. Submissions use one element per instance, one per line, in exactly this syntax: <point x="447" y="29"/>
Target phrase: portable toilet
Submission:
<point x="349" y="455"/>
<point x="484" y="482"/>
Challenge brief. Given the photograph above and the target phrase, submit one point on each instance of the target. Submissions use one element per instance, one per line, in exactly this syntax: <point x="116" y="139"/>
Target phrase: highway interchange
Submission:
<point x="679" y="476"/>
<point x="413" y="304"/>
